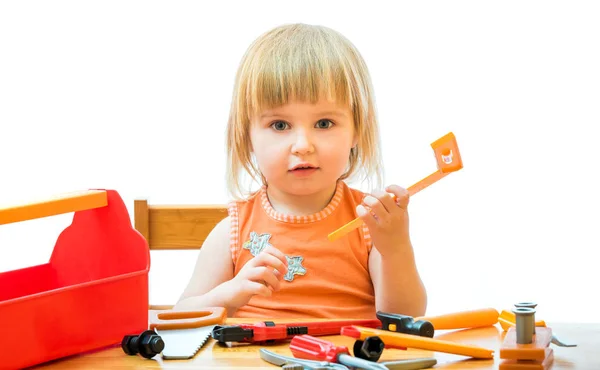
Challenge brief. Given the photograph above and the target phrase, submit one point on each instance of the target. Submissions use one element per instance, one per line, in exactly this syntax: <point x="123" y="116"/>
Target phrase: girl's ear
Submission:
<point x="355" y="142"/>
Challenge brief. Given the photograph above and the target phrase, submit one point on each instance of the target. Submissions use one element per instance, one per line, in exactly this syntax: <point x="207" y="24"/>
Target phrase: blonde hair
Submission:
<point x="303" y="62"/>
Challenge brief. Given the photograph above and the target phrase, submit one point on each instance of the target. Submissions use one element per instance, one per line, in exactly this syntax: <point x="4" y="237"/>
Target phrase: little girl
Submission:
<point x="302" y="121"/>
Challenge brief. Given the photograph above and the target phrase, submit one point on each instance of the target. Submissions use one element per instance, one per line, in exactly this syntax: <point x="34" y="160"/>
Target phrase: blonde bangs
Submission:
<point x="302" y="63"/>
<point x="291" y="65"/>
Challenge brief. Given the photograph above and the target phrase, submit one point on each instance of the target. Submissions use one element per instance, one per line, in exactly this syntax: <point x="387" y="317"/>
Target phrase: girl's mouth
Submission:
<point x="303" y="170"/>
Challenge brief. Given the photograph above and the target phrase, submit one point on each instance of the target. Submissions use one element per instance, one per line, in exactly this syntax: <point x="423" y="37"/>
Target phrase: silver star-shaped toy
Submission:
<point x="294" y="267"/>
<point x="257" y="243"/>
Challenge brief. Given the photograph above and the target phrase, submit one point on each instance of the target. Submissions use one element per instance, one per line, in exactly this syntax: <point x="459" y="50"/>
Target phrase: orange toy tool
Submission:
<point x="526" y="346"/>
<point x="396" y="340"/>
<point x="478" y="318"/>
<point x="507" y="320"/>
<point x="448" y="160"/>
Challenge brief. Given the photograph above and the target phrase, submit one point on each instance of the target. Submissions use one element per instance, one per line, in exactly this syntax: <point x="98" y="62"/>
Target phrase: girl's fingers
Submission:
<point x="386" y="200"/>
<point x="266" y="275"/>
<point x="402" y="196"/>
<point x="366" y="216"/>
<point x="379" y="211"/>
<point x="279" y="255"/>
<point x="269" y="260"/>
<point x="257" y="288"/>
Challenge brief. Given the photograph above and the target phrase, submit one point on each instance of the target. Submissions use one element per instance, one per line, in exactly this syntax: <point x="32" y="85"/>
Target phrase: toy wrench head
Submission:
<point x="447" y="154"/>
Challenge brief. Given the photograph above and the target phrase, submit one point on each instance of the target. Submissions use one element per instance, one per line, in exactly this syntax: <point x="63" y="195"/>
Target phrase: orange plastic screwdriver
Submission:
<point x="477" y="318"/>
<point x="394" y="340"/>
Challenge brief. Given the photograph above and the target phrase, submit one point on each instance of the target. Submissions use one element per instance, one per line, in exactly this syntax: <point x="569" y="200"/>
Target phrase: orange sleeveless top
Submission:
<point x="325" y="279"/>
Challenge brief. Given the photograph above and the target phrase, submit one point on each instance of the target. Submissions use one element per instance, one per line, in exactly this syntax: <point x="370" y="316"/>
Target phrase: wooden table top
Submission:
<point x="244" y="356"/>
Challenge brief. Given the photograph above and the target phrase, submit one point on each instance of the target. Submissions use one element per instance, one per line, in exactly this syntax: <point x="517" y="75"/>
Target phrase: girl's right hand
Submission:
<point x="261" y="275"/>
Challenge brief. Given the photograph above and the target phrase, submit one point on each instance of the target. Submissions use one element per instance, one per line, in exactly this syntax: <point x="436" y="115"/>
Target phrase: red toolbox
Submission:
<point x="92" y="292"/>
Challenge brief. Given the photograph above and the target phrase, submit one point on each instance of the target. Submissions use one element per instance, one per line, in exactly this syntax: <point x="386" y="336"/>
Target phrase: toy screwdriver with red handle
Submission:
<point x="310" y="348"/>
<point x="307" y="347"/>
<point x="268" y="331"/>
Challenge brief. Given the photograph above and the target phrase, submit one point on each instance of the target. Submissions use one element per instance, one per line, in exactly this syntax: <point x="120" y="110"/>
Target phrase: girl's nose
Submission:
<point x="302" y="143"/>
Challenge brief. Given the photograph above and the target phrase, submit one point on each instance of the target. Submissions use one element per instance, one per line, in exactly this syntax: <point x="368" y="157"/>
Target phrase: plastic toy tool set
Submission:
<point x="181" y="334"/>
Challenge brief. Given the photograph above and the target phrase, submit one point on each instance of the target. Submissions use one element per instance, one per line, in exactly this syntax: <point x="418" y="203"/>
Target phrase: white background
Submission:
<point x="134" y="96"/>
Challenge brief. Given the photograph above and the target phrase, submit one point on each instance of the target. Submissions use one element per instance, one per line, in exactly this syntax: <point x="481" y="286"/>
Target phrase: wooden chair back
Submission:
<point x="175" y="227"/>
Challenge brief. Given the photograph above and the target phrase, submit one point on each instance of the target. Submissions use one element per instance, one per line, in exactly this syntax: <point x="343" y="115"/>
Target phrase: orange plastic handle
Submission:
<point x="393" y="339"/>
<point x="448" y="160"/>
<point x="171" y="320"/>
<point x="465" y="319"/>
<point x="507" y="319"/>
<point x="63" y="203"/>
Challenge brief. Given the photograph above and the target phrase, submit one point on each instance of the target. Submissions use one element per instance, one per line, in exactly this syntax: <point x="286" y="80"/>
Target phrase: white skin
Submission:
<point x="318" y="136"/>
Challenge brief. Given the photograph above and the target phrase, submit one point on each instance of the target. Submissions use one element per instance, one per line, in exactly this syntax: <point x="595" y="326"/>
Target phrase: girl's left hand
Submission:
<point x="386" y="218"/>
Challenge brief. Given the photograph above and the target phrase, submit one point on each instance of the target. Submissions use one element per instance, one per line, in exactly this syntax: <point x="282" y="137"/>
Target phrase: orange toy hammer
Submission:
<point x="448" y="160"/>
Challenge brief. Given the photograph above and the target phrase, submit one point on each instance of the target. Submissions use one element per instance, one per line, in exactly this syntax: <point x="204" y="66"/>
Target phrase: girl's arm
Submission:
<point x="213" y="268"/>
<point x="213" y="283"/>
<point x="398" y="286"/>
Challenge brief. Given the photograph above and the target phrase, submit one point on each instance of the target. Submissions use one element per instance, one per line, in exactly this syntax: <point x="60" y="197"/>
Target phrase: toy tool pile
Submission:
<point x="524" y="346"/>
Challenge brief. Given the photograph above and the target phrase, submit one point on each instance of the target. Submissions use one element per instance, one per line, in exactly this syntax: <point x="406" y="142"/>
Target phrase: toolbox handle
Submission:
<point x="62" y="203"/>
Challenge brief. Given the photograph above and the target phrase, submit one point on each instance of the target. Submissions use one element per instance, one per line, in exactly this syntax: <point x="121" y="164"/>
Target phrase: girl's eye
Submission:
<point x="324" y="123"/>
<point x="279" y="125"/>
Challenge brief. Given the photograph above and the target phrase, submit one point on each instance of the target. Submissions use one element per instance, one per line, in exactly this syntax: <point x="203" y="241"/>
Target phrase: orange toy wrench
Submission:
<point x="448" y="160"/>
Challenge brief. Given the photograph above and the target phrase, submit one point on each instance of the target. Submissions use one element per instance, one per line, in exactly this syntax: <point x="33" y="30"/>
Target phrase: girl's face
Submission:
<point x="303" y="148"/>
